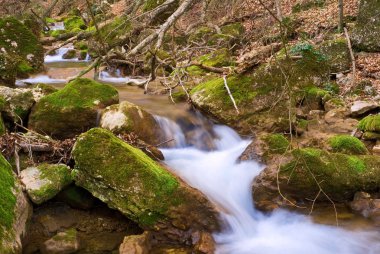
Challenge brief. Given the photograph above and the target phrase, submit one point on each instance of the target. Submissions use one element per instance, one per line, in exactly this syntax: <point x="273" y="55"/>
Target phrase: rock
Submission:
<point x="45" y="181"/>
<point x="363" y="107"/>
<point x="72" y="110"/>
<point x="338" y="54"/>
<point x="339" y="175"/>
<point x="127" y="117"/>
<point x="333" y="103"/>
<point x="70" y="54"/>
<point x="367" y="29"/>
<point x="376" y="150"/>
<point x="368" y="206"/>
<point x="62" y="243"/>
<point x="15" y="210"/>
<point x="369" y="135"/>
<point x="21" y="50"/>
<point x="128" y="180"/>
<point x="136" y="244"/>
<point x="370" y="123"/>
<point x="205" y="243"/>
<point x="338" y="121"/>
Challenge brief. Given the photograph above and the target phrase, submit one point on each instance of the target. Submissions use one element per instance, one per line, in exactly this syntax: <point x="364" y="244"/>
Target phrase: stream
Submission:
<point x="205" y="156"/>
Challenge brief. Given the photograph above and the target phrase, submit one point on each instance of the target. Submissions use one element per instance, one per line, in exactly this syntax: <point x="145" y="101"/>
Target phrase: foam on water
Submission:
<point x="58" y="57"/>
<point x="247" y="231"/>
<point x="40" y="79"/>
<point x="117" y="78"/>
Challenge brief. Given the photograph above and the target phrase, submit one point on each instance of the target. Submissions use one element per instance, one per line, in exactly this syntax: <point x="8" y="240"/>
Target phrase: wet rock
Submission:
<point x="147" y="193"/>
<point x="367" y="29"/>
<point x="339" y="175"/>
<point x="205" y="243"/>
<point x="363" y="107"/>
<point x="338" y="121"/>
<point x="367" y="205"/>
<point x="127" y="117"/>
<point x="136" y="244"/>
<point x="100" y="230"/>
<point x="66" y="242"/>
<point x="15" y="208"/>
<point x="70" y="54"/>
<point x="72" y="110"/>
<point x="45" y="181"/>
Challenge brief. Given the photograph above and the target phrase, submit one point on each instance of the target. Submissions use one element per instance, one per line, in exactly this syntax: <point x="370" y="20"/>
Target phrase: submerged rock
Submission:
<point x="62" y="243"/>
<point x="127" y="117"/>
<point x="147" y="193"/>
<point x="367" y="30"/>
<point x="15" y="210"/>
<point x="45" y="181"/>
<point x="304" y="172"/>
<point x="72" y="110"/>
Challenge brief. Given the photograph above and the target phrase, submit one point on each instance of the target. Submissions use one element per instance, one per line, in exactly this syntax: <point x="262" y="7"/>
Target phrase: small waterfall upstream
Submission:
<point x="58" y="57"/>
<point x="228" y="184"/>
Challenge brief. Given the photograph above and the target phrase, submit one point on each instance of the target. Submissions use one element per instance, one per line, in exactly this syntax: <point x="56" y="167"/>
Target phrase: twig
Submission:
<point x="229" y="93"/>
<point x="352" y="60"/>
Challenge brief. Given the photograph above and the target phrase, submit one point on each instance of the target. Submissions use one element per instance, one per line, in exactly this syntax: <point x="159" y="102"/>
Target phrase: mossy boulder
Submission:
<point x="201" y="34"/>
<point x="347" y="144"/>
<point x="218" y="58"/>
<point x="74" y="23"/>
<point x="314" y="98"/>
<point x="14" y="210"/>
<point x="72" y="110"/>
<point x="306" y="171"/>
<point x="45" y="181"/>
<point x="20" y="48"/>
<point x="367" y="29"/>
<point x="17" y="103"/>
<point x="338" y="54"/>
<point x="128" y="180"/>
<point x="370" y="123"/>
<point x="262" y="97"/>
<point x="63" y="242"/>
<point x="115" y="31"/>
<point x="127" y="117"/>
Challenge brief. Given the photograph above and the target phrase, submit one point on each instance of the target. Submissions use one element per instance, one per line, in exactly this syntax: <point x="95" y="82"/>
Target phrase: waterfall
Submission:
<point x="228" y="184"/>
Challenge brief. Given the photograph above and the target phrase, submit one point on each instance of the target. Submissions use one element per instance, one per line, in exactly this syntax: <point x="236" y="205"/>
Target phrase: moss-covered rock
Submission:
<point x="21" y="48"/>
<point x="62" y="242"/>
<point x="18" y="103"/>
<point x="201" y="34"/>
<point x="370" y="123"/>
<point x="218" y="58"/>
<point x="127" y="117"/>
<point x="307" y="170"/>
<point x="149" y="5"/>
<point x="14" y="210"/>
<point x="347" y="144"/>
<point x="367" y="30"/>
<point x="72" y="110"/>
<point x="338" y="54"/>
<point x="74" y="23"/>
<point x="262" y="97"/>
<point x="129" y="181"/>
<point x="277" y="143"/>
<point x="114" y="32"/>
<point x="44" y="181"/>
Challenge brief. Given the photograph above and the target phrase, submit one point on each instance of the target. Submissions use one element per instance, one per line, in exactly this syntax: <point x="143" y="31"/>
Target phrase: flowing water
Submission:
<point x="228" y="183"/>
<point x="205" y="156"/>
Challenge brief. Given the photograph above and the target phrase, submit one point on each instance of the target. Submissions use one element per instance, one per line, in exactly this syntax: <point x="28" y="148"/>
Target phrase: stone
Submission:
<point x="376" y="149"/>
<point x="65" y="242"/>
<point x="136" y="244"/>
<point x="367" y="29"/>
<point x="70" y="54"/>
<point x="72" y="110"/>
<point x="128" y="180"/>
<point x="127" y="118"/>
<point x="45" y="181"/>
<point x="362" y="107"/>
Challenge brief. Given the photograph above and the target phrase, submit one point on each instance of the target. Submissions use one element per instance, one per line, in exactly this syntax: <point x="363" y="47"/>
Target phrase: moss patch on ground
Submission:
<point x="370" y="123"/>
<point x="277" y="143"/>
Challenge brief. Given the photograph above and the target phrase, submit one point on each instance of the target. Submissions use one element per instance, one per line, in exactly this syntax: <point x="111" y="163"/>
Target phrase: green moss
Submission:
<point x="56" y="177"/>
<point x="81" y="45"/>
<point x="337" y="53"/>
<point x="339" y="175"/>
<point x="234" y="29"/>
<point x="144" y="190"/>
<point x="217" y="58"/>
<point x="2" y="126"/>
<point x="347" y="144"/>
<point x="7" y="200"/>
<point x="179" y="96"/>
<point x="46" y="89"/>
<point x="277" y="143"/>
<point x="74" y="22"/>
<point x="306" y="5"/>
<point x="73" y="109"/>
<point x="114" y="32"/>
<point x="21" y="45"/>
<point x="369" y="135"/>
<point x="202" y="33"/>
<point x="370" y="123"/>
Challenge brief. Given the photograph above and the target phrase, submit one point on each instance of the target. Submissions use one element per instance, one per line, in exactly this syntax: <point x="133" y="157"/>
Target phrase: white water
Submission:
<point x="40" y="79"/>
<point x="58" y="56"/>
<point x="117" y="78"/>
<point x="249" y="231"/>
